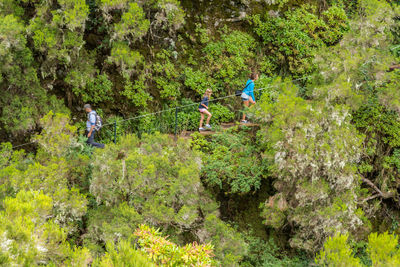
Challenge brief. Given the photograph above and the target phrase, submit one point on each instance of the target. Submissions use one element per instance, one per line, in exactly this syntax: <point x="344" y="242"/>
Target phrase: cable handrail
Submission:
<point x="26" y="144"/>
<point x="178" y="108"/>
<point x="194" y="104"/>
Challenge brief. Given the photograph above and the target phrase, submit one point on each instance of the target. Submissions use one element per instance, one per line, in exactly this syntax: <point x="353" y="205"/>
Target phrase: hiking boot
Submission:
<point x="208" y="127"/>
<point x="201" y="129"/>
<point x="244" y="121"/>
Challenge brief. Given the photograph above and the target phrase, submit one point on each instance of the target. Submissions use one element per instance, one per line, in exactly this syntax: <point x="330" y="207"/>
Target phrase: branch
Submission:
<point x="384" y="195"/>
<point x="370" y="197"/>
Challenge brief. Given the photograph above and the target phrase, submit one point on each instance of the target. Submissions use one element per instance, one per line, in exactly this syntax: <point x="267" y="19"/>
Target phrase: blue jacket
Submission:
<point x="249" y="90"/>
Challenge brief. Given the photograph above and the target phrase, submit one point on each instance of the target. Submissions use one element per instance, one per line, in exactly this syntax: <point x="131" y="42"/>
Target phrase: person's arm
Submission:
<point x="92" y="119"/>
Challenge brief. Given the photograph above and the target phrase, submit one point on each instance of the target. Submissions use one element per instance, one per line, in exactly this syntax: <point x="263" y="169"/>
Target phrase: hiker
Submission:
<point x="93" y="125"/>
<point x="203" y="108"/>
<point x="248" y="94"/>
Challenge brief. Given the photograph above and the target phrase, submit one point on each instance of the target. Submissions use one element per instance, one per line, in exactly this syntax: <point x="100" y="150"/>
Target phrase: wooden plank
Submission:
<point x="394" y="67"/>
<point x="250" y="124"/>
<point x="224" y="126"/>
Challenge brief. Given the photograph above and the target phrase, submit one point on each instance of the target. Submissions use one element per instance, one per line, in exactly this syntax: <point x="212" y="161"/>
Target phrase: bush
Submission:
<point x="382" y="250"/>
<point x="292" y="40"/>
<point x="122" y="254"/>
<point x="50" y="171"/>
<point x="232" y="162"/>
<point x="163" y="252"/>
<point x="267" y="254"/>
<point x="30" y="238"/>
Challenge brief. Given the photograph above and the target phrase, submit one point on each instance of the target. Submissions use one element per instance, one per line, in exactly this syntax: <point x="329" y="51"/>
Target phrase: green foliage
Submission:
<point x="150" y="159"/>
<point x="279" y="3"/>
<point x="382" y="250"/>
<point x="268" y="254"/>
<point x="294" y="38"/>
<point x="228" y="59"/>
<point x="225" y="62"/>
<point x="381" y="127"/>
<point x="229" y="246"/>
<point x="75" y="13"/>
<point x="20" y="84"/>
<point x="155" y="180"/>
<point x="133" y="24"/>
<point x="170" y="14"/>
<point x="136" y="91"/>
<point x="232" y="163"/>
<point x="50" y="172"/>
<point x="337" y="252"/>
<point x="336" y="24"/>
<point x="316" y="189"/>
<point x="353" y="70"/>
<point x="167" y="76"/>
<point x="99" y="90"/>
<point x="122" y="254"/>
<point x="57" y="134"/>
<point x="124" y="57"/>
<point x="165" y="253"/>
<point x="137" y="57"/>
<point x="109" y="5"/>
<point x="106" y="224"/>
<point x="29" y="238"/>
<point x="355" y="74"/>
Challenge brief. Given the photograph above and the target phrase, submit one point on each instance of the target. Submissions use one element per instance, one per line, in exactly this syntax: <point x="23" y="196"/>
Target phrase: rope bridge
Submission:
<point x="175" y="109"/>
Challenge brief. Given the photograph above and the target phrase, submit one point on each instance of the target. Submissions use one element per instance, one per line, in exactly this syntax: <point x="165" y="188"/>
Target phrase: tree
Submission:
<point x="156" y="181"/>
<point x="314" y="150"/>
<point x="30" y="235"/>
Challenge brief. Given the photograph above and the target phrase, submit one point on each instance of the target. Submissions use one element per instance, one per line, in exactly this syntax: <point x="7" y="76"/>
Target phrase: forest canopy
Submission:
<point x="314" y="180"/>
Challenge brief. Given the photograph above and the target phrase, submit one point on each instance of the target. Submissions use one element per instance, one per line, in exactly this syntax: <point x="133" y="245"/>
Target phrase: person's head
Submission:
<point x="208" y="92"/>
<point x="87" y="107"/>
<point x="254" y="76"/>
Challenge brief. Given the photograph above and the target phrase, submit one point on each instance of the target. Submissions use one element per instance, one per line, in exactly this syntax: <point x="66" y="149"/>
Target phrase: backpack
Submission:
<point x="99" y="121"/>
<point x="239" y="92"/>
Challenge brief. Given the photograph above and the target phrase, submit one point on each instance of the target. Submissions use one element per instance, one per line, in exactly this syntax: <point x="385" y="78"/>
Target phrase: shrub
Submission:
<point x="382" y="250"/>
<point x="122" y="254"/>
<point x="30" y="238"/>
<point x="265" y="253"/>
<point x="166" y="253"/>
<point x="232" y="163"/>
<point x="292" y="40"/>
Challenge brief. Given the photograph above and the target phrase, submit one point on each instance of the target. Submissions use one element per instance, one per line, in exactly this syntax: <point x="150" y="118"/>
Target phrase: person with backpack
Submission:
<point x="203" y="109"/>
<point x="93" y="125"/>
<point x="248" y="94"/>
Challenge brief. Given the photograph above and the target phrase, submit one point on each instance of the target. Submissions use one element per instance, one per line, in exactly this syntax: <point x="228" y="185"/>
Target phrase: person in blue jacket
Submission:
<point x="248" y="94"/>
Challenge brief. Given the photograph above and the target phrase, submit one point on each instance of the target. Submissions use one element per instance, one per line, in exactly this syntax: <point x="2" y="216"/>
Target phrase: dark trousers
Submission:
<point x="91" y="141"/>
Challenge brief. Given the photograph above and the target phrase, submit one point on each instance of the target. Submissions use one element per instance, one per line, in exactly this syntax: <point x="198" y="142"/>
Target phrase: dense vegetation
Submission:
<point x="314" y="182"/>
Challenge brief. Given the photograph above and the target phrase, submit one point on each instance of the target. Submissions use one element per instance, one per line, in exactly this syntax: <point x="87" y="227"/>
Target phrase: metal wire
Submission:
<point x="179" y="107"/>
<point x="194" y="104"/>
<point x="26" y="144"/>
